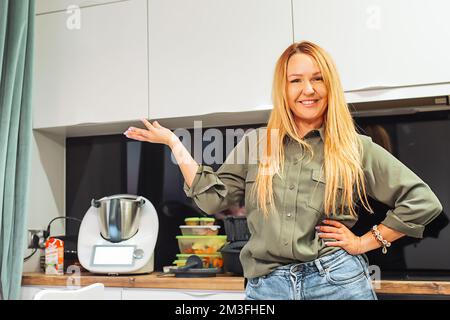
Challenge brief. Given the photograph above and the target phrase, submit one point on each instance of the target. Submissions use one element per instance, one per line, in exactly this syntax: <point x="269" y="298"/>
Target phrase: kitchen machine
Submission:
<point x="118" y="235"/>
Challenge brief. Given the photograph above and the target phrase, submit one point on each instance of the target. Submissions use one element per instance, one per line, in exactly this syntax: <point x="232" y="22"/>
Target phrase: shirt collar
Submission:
<point x="320" y="132"/>
<point x="316" y="132"/>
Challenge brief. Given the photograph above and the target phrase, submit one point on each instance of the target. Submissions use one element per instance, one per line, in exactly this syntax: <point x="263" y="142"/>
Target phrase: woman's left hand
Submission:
<point x="345" y="239"/>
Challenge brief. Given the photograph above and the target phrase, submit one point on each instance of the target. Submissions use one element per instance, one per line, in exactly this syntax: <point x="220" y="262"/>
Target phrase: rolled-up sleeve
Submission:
<point x="217" y="191"/>
<point x="389" y="181"/>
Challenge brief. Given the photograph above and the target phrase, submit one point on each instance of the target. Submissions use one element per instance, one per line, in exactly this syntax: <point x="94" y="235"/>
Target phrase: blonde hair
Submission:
<point x="342" y="146"/>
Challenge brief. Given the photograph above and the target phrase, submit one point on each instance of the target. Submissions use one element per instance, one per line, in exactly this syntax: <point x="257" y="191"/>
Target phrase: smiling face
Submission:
<point x="306" y="91"/>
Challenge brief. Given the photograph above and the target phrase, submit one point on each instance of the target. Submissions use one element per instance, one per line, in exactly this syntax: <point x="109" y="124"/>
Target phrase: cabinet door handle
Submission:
<point x="200" y="294"/>
<point x="398" y="111"/>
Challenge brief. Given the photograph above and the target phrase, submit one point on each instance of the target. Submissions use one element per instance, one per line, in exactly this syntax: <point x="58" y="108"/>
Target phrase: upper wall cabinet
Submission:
<point x="214" y="56"/>
<point x="44" y="6"/>
<point x="380" y="44"/>
<point x="91" y="65"/>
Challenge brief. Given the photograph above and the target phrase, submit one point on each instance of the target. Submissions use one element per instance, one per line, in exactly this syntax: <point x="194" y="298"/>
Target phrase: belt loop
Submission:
<point x="366" y="259"/>
<point x="319" y="267"/>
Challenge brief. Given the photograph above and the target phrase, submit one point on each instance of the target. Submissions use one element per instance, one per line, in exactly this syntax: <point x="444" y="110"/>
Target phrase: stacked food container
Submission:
<point x="199" y="236"/>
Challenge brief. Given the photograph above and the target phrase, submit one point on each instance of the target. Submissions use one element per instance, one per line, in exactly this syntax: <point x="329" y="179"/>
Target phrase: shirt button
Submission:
<point x="286" y="243"/>
<point x="289" y="215"/>
<point x="295" y="161"/>
<point x="291" y="187"/>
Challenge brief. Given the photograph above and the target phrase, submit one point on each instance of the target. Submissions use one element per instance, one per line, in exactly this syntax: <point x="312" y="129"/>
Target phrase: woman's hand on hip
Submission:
<point x="154" y="133"/>
<point x="345" y="239"/>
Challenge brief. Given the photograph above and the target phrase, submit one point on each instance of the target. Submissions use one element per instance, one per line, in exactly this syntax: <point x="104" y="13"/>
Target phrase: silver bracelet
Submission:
<point x="384" y="243"/>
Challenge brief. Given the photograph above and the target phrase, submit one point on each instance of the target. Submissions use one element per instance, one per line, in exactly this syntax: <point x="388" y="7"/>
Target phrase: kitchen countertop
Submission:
<point x="155" y="280"/>
<point x="221" y="282"/>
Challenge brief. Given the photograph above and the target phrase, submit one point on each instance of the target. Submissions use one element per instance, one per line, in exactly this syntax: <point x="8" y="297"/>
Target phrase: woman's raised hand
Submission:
<point x="154" y="133"/>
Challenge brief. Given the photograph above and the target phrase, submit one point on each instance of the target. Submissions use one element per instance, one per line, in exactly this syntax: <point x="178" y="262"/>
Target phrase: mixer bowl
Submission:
<point x="118" y="216"/>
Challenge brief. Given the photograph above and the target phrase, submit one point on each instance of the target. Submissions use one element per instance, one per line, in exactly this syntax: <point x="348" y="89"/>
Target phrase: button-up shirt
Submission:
<point x="288" y="234"/>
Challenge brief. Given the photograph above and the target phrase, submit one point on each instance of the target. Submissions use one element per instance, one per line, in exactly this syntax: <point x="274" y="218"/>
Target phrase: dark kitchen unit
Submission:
<point x="416" y="131"/>
<point x="99" y="166"/>
<point x="419" y="137"/>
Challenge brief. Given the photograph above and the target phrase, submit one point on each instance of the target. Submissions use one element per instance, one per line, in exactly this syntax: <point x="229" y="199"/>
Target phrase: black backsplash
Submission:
<point x="100" y="166"/>
<point x="106" y="165"/>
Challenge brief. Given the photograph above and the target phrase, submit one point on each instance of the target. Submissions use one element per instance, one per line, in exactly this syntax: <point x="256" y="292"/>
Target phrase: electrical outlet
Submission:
<point x="36" y="239"/>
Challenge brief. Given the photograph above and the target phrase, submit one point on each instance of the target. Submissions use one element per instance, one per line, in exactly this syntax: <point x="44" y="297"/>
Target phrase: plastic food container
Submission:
<point x="179" y="263"/>
<point x="207" y="221"/>
<point x="209" y="260"/>
<point x="199" y="230"/>
<point x="192" y="221"/>
<point x="200" y="244"/>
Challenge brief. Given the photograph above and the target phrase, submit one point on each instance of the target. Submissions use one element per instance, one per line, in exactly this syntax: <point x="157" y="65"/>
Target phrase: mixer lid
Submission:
<point x="141" y="201"/>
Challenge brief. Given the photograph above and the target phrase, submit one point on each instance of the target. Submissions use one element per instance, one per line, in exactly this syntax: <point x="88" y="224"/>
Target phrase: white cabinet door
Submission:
<point x="97" y="73"/>
<point x="214" y="56"/>
<point x="380" y="43"/>
<point x="44" y="6"/>
<point x="178" y="294"/>
<point x="28" y="292"/>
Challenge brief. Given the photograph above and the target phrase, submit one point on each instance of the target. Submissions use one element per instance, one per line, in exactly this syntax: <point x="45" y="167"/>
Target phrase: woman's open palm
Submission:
<point x="154" y="133"/>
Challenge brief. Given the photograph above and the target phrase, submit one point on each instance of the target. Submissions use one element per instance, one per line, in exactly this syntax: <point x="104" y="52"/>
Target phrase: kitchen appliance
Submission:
<point x="230" y="256"/>
<point x="118" y="235"/>
<point x="238" y="235"/>
<point x="236" y="228"/>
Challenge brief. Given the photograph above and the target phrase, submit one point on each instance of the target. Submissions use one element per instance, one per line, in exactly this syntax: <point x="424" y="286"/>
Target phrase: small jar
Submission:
<point x="207" y="221"/>
<point x="192" y="221"/>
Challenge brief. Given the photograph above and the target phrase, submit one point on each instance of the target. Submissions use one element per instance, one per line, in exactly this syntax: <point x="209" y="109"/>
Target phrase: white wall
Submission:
<point x="46" y="198"/>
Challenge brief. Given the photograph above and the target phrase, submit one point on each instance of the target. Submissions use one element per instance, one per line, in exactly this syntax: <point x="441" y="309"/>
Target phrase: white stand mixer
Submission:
<point x="118" y="235"/>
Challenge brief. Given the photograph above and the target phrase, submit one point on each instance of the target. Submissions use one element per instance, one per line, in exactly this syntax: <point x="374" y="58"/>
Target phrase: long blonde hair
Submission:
<point x="342" y="146"/>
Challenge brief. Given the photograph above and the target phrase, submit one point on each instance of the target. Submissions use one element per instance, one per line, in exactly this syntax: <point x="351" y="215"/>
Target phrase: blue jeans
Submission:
<point x="337" y="276"/>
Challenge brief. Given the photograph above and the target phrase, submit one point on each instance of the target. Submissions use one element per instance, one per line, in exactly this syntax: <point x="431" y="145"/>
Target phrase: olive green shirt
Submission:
<point x="289" y="234"/>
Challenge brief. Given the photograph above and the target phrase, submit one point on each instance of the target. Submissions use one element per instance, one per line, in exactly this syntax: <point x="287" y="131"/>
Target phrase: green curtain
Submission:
<point x="16" y="65"/>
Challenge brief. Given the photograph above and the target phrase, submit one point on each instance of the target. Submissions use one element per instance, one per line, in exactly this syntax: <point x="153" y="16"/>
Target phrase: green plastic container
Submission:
<point x="207" y="221"/>
<point x="209" y="260"/>
<point x="194" y="221"/>
<point x="184" y="256"/>
<point x="201" y="244"/>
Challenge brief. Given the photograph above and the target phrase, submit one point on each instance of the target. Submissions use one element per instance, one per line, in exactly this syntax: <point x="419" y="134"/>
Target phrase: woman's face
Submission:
<point x="306" y="91"/>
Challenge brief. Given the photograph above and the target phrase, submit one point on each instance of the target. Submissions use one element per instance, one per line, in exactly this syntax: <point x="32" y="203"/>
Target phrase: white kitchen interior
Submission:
<point x="101" y="66"/>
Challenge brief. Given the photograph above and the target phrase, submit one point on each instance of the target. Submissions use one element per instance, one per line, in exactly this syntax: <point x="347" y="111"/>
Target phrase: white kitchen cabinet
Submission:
<point x="178" y="294"/>
<point x="214" y="56"/>
<point x="380" y="45"/>
<point x="45" y="6"/>
<point x="28" y="292"/>
<point x="95" y="74"/>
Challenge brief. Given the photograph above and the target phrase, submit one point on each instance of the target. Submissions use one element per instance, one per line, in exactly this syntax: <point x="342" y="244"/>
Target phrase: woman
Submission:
<point x="302" y="189"/>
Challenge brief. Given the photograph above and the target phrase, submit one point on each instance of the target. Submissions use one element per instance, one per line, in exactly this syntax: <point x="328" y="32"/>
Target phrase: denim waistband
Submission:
<point x="317" y="265"/>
